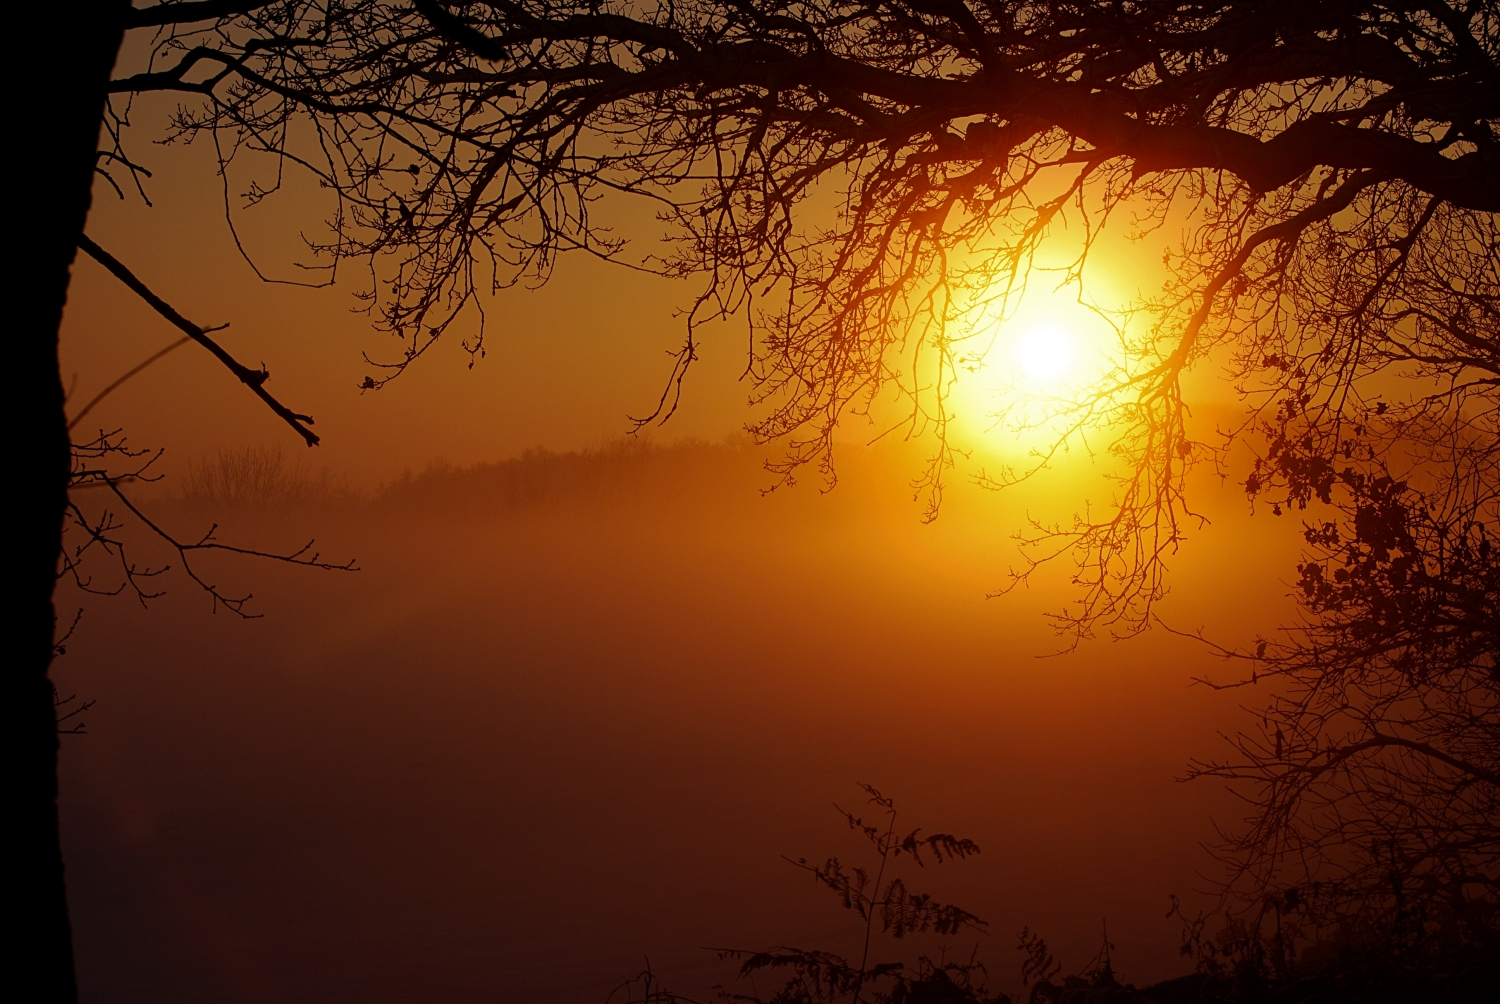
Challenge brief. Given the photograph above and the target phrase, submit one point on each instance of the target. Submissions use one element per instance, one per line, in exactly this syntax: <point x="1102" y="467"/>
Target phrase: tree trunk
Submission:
<point x="71" y="46"/>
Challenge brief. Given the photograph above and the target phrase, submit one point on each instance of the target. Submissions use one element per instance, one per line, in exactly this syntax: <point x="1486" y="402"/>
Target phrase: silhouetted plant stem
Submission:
<point x="885" y="857"/>
<point x="73" y="422"/>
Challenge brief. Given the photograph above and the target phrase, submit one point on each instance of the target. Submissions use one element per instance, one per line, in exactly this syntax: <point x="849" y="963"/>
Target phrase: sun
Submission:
<point x="1045" y="352"/>
<point x="1034" y="365"/>
<point x="1036" y="355"/>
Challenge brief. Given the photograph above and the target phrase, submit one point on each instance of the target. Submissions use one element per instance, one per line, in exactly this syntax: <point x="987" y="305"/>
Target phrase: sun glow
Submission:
<point x="1035" y="363"/>
<point x="1047" y="349"/>
<point x="1045" y="352"/>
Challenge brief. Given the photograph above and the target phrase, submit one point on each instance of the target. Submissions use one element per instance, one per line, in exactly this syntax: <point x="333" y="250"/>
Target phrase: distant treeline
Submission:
<point x="264" y="478"/>
<point x="259" y="477"/>
<point x="616" y="467"/>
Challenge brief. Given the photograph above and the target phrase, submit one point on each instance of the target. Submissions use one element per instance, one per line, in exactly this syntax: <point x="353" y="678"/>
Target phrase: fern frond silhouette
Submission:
<point x="877" y="896"/>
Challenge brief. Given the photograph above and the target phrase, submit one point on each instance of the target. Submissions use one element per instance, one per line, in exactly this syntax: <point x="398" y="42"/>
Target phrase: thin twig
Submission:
<point x="105" y="392"/>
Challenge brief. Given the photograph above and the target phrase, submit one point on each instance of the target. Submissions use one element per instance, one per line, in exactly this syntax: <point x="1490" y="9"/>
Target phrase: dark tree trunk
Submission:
<point x="57" y="106"/>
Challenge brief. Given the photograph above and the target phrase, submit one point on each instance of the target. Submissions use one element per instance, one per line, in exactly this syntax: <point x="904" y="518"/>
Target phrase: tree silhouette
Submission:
<point x="1336" y="164"/>
<point x="1373" y="777"/>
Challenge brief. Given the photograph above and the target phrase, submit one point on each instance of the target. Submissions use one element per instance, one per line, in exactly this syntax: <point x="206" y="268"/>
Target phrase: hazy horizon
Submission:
<point x="530" y="745"/>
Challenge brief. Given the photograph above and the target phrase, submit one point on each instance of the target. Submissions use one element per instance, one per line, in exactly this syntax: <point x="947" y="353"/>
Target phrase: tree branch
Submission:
<point x="254" y="379"/>
<point x="188" y="11"/>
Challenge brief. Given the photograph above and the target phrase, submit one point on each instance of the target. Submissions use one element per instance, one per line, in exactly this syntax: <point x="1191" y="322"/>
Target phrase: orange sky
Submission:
<point x="618" y="715"/>
<point x="566" y="364"/>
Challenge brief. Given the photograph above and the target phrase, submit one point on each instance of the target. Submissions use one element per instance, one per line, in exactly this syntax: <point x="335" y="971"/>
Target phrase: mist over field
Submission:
<point x="574" y="708"/>
<point x="819" y="503"/>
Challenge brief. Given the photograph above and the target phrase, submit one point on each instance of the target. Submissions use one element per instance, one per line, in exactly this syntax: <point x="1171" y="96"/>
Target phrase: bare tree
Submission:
<point x="1373" y="775"/>
<point x="62" y="124"/>
<point x="1336" y="162"/>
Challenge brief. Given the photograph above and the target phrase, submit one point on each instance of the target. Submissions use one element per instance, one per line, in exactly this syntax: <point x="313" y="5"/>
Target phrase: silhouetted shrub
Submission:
<point x="1239" y="965"/>
<point x="258" y="477"/>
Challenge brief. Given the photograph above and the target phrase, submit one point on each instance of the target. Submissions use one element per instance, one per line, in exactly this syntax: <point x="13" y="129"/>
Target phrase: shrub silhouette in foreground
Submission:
<point x="821" y="975"/>
<point x="878" y="898"/>
<point x="1240" y="964"/>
